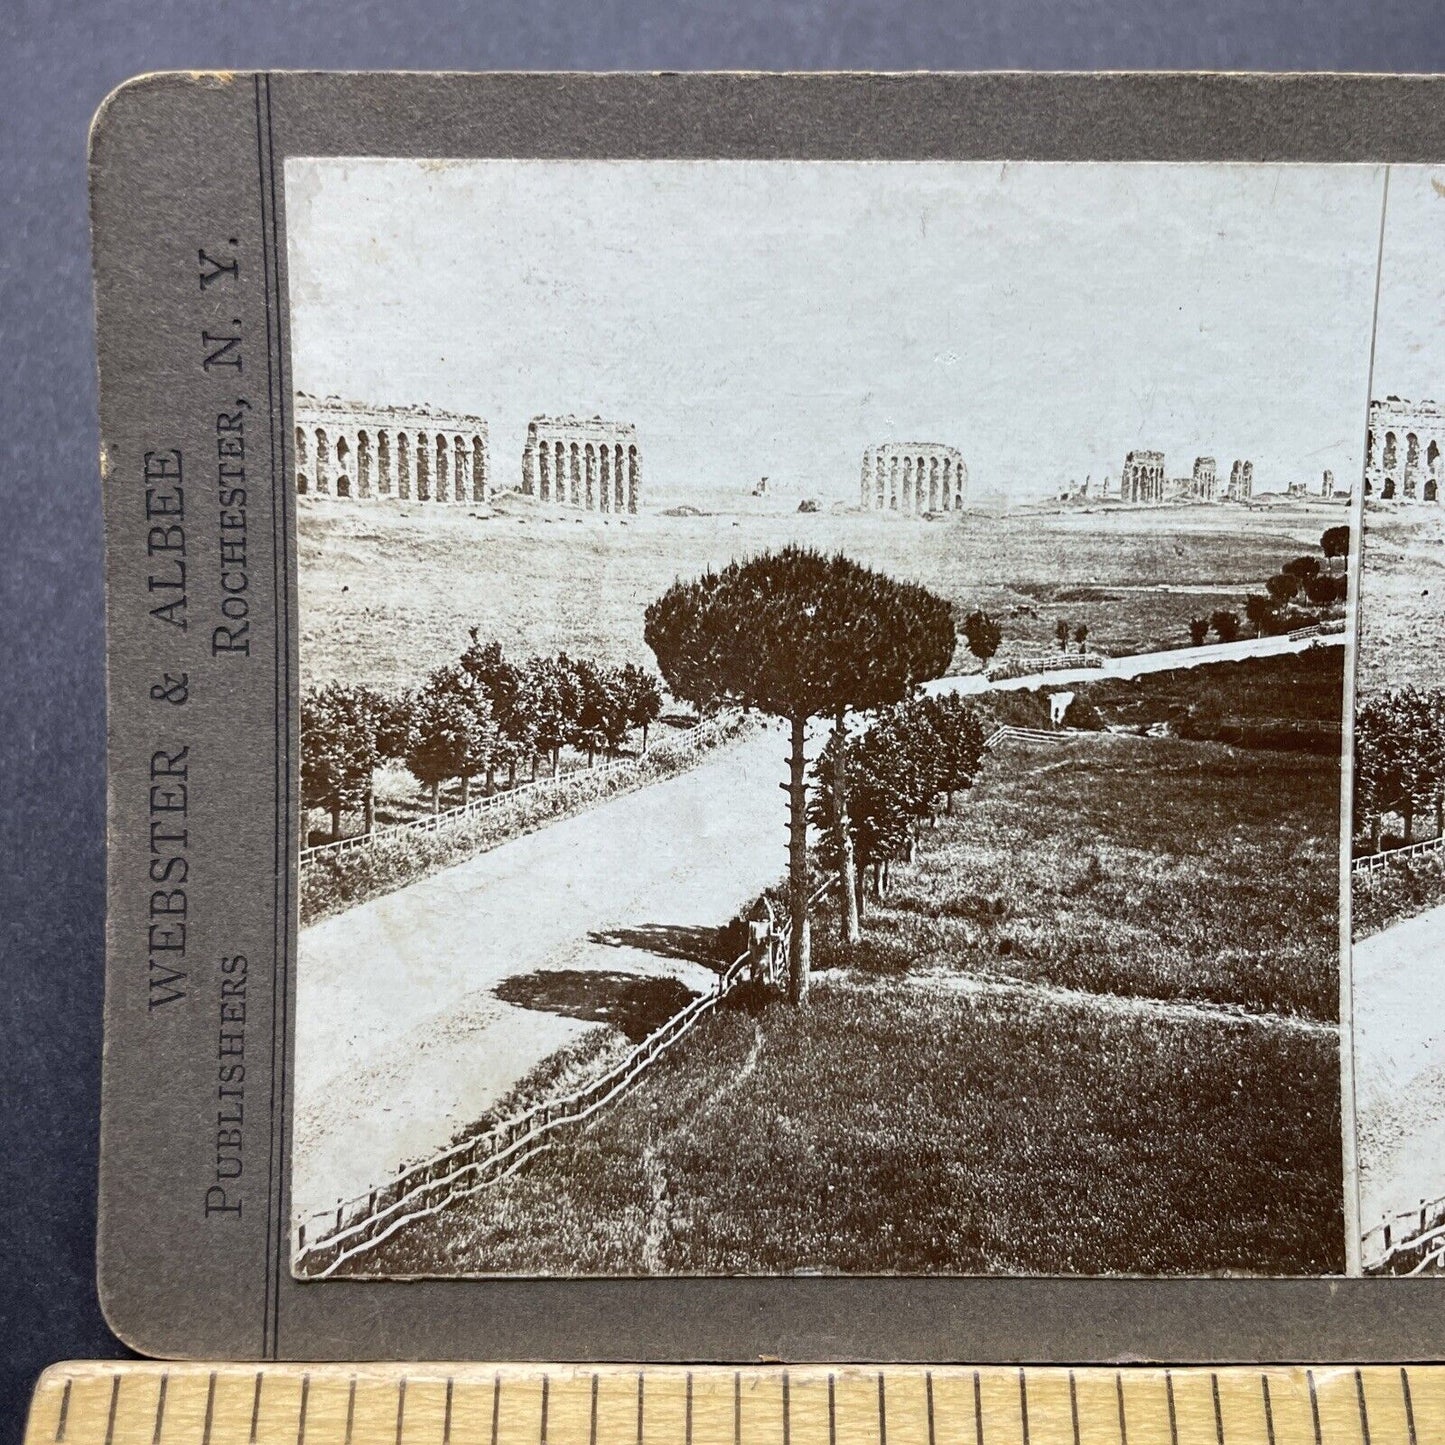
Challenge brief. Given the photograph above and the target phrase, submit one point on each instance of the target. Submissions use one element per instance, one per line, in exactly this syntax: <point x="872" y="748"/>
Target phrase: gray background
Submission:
<point x="56" y="63"/>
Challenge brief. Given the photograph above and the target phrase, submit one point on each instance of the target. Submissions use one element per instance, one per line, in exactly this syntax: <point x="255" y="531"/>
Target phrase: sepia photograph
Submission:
<point x="822" y="715"/>
<point x="1398" y="785"/>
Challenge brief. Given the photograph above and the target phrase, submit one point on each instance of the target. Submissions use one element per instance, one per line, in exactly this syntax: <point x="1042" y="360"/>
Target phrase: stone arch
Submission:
<point x="633" y="479"/>
<point x="323" y="462"/>
<point x="933" y="480"/>
<point x="619" y="478"/>
<point x="363" y="464"/>
<point x="892" y="484"/>
<point x="443" y="480"/>
<point x="1391" y="448"/>
<point x="343" y="476"/>
<point x="1388" y="490"/>
<point x="544" y="471"/>
<point x="403" y="467"/>
<point x="461" y="469"/>
<point x="423" y="467"/>
<point x="383" y="463"/>
<point x="574" y="476"/>
<point x="604" y="478"/>
<point x="1431" y="490"/>
<point x="590" y="458"/>
<point x="1369" y="449"/>
<point x="302" y="482"/>
<point x="479" y="470"/>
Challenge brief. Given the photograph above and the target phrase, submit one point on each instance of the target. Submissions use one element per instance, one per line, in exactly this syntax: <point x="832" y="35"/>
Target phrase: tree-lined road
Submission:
<point x="401" y="1039"/>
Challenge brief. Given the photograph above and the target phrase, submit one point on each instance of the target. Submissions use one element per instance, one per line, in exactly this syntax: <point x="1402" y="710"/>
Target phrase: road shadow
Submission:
<point x="688" y="942"/>
<point x="634" y="1006"/>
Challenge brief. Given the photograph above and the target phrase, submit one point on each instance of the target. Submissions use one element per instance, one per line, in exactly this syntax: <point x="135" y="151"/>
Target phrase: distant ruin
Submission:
<point x="1403" y="446"/>
<point x="1241" y="482"/>
<point x="1142" y="480"/>
<point x="914" y="478"/>
<point x="582" y="462"/>
<point x="412" y="453"/>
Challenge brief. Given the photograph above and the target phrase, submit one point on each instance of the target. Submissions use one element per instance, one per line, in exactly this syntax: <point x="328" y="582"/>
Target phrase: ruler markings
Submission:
<point x="64" y="1411"/>
<point x="1268" y="1409"/>
<point x="164" y="1404"/>
<point x="160" y="1407"/>
<point x="1409" y="1405"/>
<point x="114" y="1401"/>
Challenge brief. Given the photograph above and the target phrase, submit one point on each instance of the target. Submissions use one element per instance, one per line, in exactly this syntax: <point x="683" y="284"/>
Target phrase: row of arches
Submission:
<point x="428" y="466"/>
<point x="1400" y="464"/>
<point x="915" y="484"/>
<point x="597" y="476"/>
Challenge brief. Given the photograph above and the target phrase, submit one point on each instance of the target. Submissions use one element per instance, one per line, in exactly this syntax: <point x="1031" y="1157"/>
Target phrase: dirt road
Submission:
<point x="1400" y="1066"/>
<point x="401" y="1039"/>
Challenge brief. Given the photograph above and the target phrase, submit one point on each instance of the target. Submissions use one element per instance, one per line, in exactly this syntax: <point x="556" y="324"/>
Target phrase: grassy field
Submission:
<point x="944" y="1106"/>
<point x="388" y="590"/>
<point x="1402" y="598"/>
<point x="1390" y="895"/>
<point x="1293" y="701"/>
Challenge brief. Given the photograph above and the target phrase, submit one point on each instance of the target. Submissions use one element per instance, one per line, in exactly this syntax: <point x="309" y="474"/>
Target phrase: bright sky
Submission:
<point x="1410" y="349"/>
<point x="776" y="317"/>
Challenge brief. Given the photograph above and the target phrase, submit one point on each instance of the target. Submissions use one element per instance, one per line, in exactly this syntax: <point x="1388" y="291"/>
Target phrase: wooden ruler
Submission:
<point x="416" y="1404"/>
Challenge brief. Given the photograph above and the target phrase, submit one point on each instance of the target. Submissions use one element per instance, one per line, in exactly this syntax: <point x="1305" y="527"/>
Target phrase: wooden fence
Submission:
<point x="360" y="1224"/>
<point x="1408" y="1244"/>
<point x="1015" y="667"/>
<point x="1372" y="861"/>
<point x="676" y="745"/>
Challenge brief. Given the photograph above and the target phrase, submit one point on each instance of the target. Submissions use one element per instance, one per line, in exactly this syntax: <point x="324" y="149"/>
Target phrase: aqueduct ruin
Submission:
<point x="1142" y="479"/>
<point x="582" y="462"/>
<point x="349" y="449"/>
<point x="914" y="478"/>
<point x="1403" y="451"/>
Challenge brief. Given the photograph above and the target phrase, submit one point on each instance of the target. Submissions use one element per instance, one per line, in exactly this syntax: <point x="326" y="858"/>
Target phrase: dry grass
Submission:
<point x="1390" y="895"/>
<point x="1402" y="599"/>
<point x="388" y="590"/>
<point x="897" y="1125"/>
